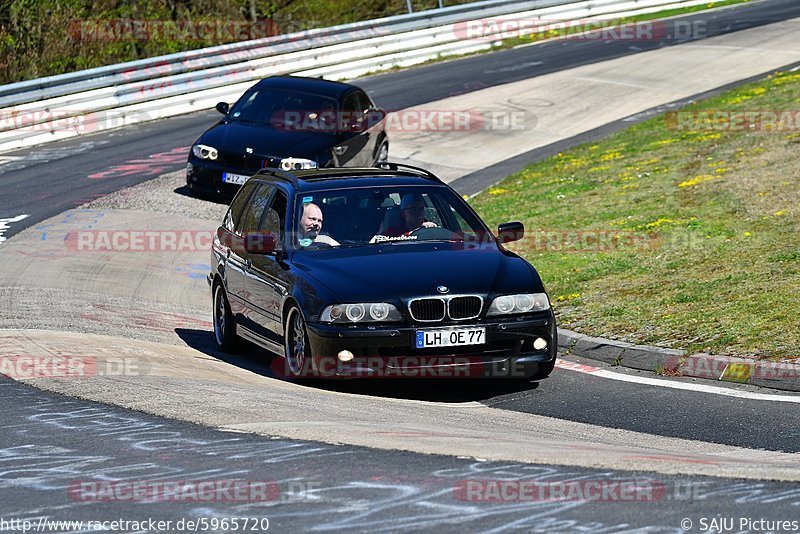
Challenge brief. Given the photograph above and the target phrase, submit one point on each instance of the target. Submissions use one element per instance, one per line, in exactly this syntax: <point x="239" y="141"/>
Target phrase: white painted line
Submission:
<point x="716" y="390"/>
<point x="5" y="222"/>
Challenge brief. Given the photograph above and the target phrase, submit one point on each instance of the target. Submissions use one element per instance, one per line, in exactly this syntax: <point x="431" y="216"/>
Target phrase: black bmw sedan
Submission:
<point x="291" y="123"/>
<point x="382" y="272"/>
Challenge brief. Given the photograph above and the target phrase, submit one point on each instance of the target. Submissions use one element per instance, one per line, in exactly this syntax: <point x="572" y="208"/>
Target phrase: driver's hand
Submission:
<point x="428" y="224"/>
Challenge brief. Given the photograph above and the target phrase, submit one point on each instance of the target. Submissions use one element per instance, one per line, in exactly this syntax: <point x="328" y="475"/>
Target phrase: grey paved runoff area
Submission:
<point x="49" y="474"/>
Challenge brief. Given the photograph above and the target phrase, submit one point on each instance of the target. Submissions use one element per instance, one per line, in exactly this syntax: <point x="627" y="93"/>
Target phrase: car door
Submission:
<point x="234" y="259"/>
<point x="268" y="279"/>
<point x="350" y="149"/>
<point x="374" y="123"/>
<point x="248" y="224"/>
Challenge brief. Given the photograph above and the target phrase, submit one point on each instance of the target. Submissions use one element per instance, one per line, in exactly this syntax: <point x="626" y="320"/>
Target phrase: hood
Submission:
<point x="266" y="141"/>
<point x="403" y="271"/>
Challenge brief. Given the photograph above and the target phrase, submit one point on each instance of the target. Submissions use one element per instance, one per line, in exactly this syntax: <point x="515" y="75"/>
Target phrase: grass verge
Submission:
<point x="681" y="231"/>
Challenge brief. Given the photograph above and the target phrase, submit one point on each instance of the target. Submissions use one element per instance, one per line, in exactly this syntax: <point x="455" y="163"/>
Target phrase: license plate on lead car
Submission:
<point x="230" y="178"/>
<point x="450" y="338"/>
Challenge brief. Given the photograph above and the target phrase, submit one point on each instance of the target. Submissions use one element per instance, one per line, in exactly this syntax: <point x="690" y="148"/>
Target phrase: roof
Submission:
<point x="318" y="86"/>
<point x="334" y="178"/>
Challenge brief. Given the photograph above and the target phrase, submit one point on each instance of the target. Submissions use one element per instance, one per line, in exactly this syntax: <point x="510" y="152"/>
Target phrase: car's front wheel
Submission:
<point x="224" y="325"/>
<point x="298" y="356"/>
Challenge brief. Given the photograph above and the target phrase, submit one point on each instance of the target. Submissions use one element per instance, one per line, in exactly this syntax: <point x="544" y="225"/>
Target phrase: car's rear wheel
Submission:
<point x="296" y="344"/>
<point x="224" y="325"/>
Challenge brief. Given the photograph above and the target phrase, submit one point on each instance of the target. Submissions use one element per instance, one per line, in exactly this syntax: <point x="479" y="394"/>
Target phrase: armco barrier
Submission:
<point x="59" y="107"/>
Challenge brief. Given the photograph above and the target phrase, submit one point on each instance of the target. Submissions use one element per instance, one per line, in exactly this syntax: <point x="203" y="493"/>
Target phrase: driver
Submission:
<point x="311" y="226"/>
<point x="412" y="216"/>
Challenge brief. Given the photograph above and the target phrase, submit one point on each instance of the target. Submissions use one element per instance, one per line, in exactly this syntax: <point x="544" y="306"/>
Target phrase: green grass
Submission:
<point x="716" y="266"/>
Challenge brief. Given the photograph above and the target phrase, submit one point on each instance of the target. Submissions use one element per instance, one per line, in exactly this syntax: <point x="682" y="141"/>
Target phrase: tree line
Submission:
<point x="48" y="37"/>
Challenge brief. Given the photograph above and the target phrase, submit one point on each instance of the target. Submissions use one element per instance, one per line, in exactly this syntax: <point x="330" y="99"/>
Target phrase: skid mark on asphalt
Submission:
<point x="152" y="165"/>
<point x="702" y="388"/>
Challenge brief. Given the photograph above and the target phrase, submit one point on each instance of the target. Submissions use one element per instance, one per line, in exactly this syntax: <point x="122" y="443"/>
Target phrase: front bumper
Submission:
<point x="205" y="177"/>
<point x="390" y="351"/>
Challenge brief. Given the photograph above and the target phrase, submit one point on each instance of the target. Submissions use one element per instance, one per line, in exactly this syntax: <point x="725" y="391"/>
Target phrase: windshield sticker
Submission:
<point x="382" y="238"/>
<point x="306" y="242"/>
<point x="307" y="200"/>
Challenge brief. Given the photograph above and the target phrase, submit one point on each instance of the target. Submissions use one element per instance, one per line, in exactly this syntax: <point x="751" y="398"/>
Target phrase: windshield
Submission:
<point x="384" y="215"/>
<point x="279" y="109"/>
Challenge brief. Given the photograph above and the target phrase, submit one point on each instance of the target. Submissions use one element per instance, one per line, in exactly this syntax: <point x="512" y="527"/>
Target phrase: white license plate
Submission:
<point x="450" y="338"/>
<point x="230" y="178"/>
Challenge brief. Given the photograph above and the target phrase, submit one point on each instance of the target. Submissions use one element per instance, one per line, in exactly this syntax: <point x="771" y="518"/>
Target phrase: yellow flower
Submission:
<point x="658" y="222"/>
<point x="747" y="234"/>
<point x="571" y="296"/>
<point x="780" y="213"/>
<point x="696" y="180"/>
<point x="612" y="155"/>
<point x="497" y="191"/>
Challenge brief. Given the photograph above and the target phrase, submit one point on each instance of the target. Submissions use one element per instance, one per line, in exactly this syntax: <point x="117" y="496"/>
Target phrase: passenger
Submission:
<point x="412" y="216"/>
<point x="311" y="226"/>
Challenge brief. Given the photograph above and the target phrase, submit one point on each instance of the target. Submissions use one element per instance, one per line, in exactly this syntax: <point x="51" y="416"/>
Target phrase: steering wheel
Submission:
<point x="434" y="233"/>
<point x="318" y="245"/>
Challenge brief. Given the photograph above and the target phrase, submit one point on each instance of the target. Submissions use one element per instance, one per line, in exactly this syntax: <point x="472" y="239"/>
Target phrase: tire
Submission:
<point x="224" y="324"/>
<point x="296" y="345"/>
<point x="383" y="153"/>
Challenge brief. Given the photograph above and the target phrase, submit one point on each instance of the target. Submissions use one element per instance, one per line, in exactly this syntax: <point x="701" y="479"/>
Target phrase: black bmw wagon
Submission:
<point x="376" y="272"/>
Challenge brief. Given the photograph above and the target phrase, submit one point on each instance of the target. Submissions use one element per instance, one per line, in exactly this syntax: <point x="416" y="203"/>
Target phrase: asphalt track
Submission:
<point x="44" y="438"/>
<point x="321" y="488"/>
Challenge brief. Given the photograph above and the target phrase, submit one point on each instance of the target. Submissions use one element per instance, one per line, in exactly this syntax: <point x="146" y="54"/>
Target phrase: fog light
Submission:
<point x="345" y="356"/>
<point x="540" y="344"/>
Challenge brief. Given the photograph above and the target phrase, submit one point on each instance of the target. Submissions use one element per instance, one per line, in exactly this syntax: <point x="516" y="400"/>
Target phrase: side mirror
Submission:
<point x="259" y="243"/>
<point x="222" y="107"/>
<point x="510" y="231"/>
<point x="375" y="116"/>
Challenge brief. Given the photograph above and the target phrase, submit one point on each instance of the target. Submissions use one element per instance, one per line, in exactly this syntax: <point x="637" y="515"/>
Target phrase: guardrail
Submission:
<point x="59" y="107"/>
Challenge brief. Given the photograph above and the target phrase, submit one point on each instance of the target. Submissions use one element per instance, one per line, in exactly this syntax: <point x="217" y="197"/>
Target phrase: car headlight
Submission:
<point x="371" y="312"/>
<point x="205" y="152"/>
<point x="523" y="303"/>
<point x="297" y="164"/>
